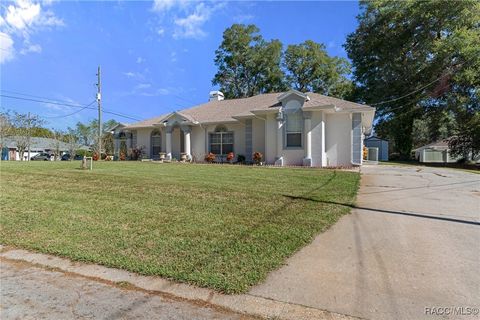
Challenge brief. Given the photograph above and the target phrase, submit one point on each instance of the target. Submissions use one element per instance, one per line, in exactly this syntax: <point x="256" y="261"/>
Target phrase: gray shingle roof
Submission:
<point x="38" y="143"/>
<point x="225" y="110"/>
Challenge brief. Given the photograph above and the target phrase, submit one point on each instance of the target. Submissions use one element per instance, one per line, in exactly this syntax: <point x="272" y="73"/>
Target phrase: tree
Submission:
<point x="5" y="127"/>
<point x="409" y="56"/>
<point x="23" y="125"/>
<point x="55" y="144"/>
<point x="310" y="68"/>
<point x="72" y="139"/>
<point x="247" y="64"/>
<point x="84" y="131"/>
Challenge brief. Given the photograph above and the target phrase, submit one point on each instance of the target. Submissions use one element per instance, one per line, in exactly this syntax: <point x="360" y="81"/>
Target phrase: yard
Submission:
<point x="218" y="226"/>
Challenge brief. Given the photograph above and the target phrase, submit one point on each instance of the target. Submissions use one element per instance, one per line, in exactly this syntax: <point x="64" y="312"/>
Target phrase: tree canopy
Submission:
<point x="413" y="59"/>
<point x="249" y="65"/>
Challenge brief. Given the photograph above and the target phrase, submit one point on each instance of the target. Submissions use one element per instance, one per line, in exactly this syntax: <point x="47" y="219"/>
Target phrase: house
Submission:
<point x="435" y="152"/>
<point x="37" y="145"/>
<point x="289" y="128"/>
<point x="381" y="145"/>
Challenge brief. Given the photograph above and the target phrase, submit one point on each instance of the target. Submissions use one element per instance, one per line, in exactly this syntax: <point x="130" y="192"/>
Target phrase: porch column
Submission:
<point x="116" y="147"/>
<point x="322" y="140"/>
<point x="279" y="157"/>
<point x="168" y="143"/>
<point x="307" y="123"/>
<point x="186" y="135"/>
<point x="129" y="144"/>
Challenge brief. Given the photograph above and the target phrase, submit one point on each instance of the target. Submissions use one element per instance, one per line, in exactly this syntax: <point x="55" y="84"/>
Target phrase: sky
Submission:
<point x="156" y="56"/>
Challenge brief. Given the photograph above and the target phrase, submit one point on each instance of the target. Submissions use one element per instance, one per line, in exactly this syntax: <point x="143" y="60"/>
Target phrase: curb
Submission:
<point x="244" y="303"/>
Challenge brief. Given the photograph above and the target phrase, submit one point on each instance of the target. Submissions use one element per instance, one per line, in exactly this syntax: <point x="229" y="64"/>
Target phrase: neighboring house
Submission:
<point x="436" y="152"/>
<point x="380" y="144"/>
<point x="37" y="145"/>
<point x="289" y="128"/>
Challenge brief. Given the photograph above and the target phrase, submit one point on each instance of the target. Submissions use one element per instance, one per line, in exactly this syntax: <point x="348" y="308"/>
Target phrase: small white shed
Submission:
<point x="381" y="144"/>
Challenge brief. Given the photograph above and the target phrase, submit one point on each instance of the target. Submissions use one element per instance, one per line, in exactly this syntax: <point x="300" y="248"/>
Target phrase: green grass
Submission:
<point x="223" y="227"/>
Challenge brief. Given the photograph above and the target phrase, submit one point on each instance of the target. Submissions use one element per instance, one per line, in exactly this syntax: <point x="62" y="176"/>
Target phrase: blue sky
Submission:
<point x="156" y="57"/>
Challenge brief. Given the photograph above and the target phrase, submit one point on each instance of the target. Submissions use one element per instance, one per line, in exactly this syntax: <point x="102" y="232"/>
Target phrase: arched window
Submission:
<point x="293" y="128"/>
<point x="156" y="144"/>
<point x="221" y="141"/>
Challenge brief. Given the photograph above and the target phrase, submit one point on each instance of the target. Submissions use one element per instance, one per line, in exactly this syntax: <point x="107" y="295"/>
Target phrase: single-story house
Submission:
<point x="37" y="145"/>
<point x="379" y="143"/>
<point x="288" y="128"/>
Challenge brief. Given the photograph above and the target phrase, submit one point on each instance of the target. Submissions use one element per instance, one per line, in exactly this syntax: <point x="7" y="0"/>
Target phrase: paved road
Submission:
<point x="29" y="292"/>
<point x="412" y="243"/>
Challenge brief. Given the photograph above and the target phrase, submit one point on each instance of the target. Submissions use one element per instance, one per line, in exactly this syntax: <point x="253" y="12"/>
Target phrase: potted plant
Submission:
<point x="241" y="158"/>
<point x="183" y="156"/>
<point x="257" y="158"/>
<point x="230" y="157"/>
<point x="95" y="157"/>
<point x="163" y="155"/>
<point x="210" y="157"/>
<point x="123" y="156"/>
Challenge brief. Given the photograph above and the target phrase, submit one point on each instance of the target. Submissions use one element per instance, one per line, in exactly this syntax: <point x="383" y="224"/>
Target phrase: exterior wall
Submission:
<point x="258" y="137"/>
<point x="317" y="132"/>
<point x="357" y="138"/>
<point x="198" y="143"/>
<point x="338" y="128"/>
<point x="143" y="140"/>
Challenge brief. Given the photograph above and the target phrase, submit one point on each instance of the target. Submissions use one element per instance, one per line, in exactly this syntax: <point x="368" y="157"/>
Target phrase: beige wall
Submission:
<point x="338" y="128"/>
<point x="258" y="136"/>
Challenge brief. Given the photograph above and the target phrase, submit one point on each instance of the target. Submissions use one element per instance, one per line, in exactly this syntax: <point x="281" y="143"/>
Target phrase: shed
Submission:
<point x="381" y="144"/>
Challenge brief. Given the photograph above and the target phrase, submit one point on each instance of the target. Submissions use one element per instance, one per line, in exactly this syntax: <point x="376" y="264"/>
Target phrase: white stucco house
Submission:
<point x="289" y="128"/>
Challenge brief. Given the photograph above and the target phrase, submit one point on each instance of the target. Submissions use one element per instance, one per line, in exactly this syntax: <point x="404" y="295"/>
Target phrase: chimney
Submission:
<point x="216" y="96"/>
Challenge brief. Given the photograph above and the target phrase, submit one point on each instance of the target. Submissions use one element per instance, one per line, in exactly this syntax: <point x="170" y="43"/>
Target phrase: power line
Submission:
<point x="34" y="96"/>
<point x="69" y="105"/>
<point x="71" y="114"/>
<point x="406" y="95"/>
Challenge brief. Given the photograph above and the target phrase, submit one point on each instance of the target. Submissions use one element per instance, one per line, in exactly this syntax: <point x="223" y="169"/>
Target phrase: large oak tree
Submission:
<point x="412" y="58"/>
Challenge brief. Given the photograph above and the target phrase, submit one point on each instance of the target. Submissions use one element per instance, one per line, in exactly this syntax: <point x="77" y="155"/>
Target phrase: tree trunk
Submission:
<point x="402" y="134"/>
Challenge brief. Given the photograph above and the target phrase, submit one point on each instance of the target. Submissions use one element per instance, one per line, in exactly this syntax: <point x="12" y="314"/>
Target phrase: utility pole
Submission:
<point x="99" y="102"/>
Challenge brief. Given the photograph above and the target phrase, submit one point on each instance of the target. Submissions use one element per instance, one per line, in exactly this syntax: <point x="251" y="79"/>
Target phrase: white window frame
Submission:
<point x="221" y="134"/>
<point x="286" y="132"/>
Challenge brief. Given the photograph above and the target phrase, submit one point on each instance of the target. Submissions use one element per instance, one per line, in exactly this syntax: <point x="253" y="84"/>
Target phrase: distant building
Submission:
<point x="37" y="146"/>
<point x="381" y="144"/>
<point x="435" y="152"/>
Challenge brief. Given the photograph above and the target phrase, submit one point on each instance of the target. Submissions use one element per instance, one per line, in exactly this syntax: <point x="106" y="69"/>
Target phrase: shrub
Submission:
<point x="210" y="157"/>
<point x="137" y="153"/>
<point x="95" y="157"/>
<point x="241" y="158"/>
<point x="123" y="156"/>
<point x="230" y="156"/>
<point x="257" y="157"/>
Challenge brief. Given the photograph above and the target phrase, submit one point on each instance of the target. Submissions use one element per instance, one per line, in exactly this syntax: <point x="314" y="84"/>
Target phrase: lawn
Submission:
<point x="218" y="226"/>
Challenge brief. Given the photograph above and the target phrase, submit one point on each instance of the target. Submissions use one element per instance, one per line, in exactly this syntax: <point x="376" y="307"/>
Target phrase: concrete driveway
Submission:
<point x="411" y="245"/>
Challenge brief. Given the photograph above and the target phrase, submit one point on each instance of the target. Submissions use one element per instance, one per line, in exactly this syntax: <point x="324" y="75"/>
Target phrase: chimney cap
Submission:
<point x="216" y="95"/>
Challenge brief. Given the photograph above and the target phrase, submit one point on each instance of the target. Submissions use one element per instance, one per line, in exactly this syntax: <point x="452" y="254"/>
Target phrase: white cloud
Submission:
<point x="191" y="26"/>
<point x="36" y="48"/>
<point x="140" y="60"/>
<point x="162" y="6"/>
<point x="19" y="21"/>
<point x="7" y="51"/>
<point x="141" y="86"/>
<point x="188" y="17"/>
<point x="173" y="56"/>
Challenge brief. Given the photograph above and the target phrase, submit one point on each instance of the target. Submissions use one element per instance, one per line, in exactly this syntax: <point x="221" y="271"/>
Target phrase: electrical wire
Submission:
<point x="71" y="114"/>
<point x="70" y="105"/>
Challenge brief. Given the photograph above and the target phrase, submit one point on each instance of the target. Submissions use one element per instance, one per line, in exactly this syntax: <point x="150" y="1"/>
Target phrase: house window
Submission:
<point x="221" y="141"/>
<point x="156" y="142"/>
<point x="294" y="129"/>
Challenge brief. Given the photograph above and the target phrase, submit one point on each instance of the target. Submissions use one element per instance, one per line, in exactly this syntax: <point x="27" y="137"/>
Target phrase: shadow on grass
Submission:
<point x="403" y="213"/>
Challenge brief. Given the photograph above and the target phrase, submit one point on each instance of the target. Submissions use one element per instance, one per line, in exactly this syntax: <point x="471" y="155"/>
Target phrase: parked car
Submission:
<point x="67" y="157"/>
<point x="41" y="157"/>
